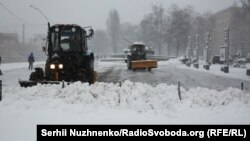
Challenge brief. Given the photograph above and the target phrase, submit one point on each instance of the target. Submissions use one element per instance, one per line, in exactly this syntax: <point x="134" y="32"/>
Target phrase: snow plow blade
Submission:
<point x="144" y="64"/>
<point x="33" y="83"/>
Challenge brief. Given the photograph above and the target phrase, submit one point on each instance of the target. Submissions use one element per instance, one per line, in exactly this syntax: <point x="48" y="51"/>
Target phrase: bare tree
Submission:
<point x="99" y="44"/>
<point x="152" y="27"/>
<point x="129" y="32"/>
<point x="180" y="27"/>
<point x="246" y="4"/>
<point x="201" y="25"/>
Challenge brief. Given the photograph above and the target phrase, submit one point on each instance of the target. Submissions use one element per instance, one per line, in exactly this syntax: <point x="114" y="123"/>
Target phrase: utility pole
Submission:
<point x="23" y="34"/>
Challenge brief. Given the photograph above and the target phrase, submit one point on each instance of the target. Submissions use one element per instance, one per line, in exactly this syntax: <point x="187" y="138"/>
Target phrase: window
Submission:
<point x="70" y="41"/>
<point x="54" y="40"/>
<point x="65" y="43"/>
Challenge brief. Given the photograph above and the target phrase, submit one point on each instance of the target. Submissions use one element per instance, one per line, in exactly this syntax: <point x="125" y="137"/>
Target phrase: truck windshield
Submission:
<point x="70" y="41"/>
<point x="66" y="41"/>
<point x="138" y="48"/>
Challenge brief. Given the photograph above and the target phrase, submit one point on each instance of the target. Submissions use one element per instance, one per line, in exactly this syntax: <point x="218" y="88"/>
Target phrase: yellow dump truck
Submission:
<point x="137" y="58"/>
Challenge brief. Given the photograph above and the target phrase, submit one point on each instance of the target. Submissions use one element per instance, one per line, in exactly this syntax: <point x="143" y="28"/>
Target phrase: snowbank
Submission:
<point x="106" y="103"/>
<point x="140" y="98"/>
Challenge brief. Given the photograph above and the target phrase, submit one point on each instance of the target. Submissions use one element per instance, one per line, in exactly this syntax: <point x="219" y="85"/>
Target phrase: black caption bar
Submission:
<point x="78" y="132"/>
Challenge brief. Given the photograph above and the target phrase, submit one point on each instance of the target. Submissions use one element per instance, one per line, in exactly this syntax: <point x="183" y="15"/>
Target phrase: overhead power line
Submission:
<point x="18" y="25"/>
<point x="40" y="11"/>
<point x="14" y="15"/>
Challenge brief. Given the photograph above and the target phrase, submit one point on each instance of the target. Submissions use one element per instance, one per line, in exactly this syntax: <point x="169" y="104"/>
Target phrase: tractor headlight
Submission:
<point x="52" y="66"/>
<point x="60" y="66"/>
<point x="57" y="29"/>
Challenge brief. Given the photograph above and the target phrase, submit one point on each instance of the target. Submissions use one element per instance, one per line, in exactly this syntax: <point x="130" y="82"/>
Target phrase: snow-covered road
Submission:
<point x="12" y="72"/>
<point x="172" y="73"/>
<point x="143" y="98"/>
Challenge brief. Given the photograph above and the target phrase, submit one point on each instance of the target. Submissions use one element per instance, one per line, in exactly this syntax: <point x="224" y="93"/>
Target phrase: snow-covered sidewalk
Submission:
<point x="237" y="73"/>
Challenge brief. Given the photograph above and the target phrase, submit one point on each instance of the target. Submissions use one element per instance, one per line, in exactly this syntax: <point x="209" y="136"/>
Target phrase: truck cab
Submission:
<point x="137" y="57"/>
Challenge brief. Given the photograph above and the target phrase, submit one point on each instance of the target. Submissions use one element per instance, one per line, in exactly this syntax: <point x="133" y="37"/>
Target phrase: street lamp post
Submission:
<point x="188" y="49"/>
<point x="196" y="65"/>
<point x="208" y="46"/>
<point x="47" y="19"/>
<point x="34" y="7"/>
<point x="196" y="47"/>
<point x="227" y="30"/>
<point x="227" y="44"/>
<point x="208" y="43"/>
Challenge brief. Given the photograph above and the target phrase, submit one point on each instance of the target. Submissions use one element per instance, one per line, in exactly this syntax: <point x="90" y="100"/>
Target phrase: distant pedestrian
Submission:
<point x="31" y="60"/>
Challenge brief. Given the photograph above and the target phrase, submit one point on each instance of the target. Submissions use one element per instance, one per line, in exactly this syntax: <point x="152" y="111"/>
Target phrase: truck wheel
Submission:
<point x="129" y="66"/>
<point x="149" y="69"/>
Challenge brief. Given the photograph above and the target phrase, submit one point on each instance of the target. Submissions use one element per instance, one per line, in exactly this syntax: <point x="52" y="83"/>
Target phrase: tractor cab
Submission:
<point x="68" y="56"/>
<point x="67" y="38"/>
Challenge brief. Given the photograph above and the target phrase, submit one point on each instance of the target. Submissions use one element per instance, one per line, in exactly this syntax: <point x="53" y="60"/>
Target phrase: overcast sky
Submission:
<point x="90" y="12"/>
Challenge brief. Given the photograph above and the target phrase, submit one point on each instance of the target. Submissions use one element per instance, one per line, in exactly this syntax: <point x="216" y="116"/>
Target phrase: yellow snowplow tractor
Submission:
<point x="68" y="58"/>
<point x="137" y="58"/>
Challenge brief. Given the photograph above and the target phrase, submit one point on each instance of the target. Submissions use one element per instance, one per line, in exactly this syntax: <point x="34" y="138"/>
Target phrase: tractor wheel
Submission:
<point x="92" y="77"/>
<point x="82" y="75"/>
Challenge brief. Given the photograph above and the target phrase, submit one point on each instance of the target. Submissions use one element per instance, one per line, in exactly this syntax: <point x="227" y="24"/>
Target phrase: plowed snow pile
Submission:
<point x="160" y="100"/>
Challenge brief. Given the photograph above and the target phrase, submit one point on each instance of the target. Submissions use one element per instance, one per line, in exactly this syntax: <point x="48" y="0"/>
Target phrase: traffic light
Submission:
<point x="208" y="39"/>
<point x="226" y="35"/>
